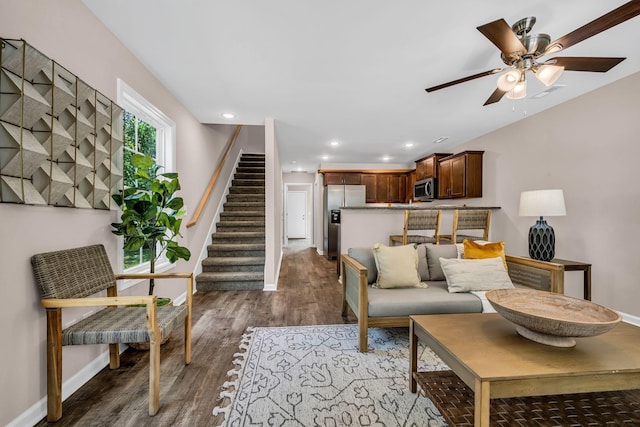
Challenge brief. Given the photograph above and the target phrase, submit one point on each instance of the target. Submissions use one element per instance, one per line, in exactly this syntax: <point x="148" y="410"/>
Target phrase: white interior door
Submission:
<point x="296" y="214"/>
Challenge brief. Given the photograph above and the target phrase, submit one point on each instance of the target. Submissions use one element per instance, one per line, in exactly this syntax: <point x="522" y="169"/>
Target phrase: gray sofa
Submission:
<point x="376" y="307"/>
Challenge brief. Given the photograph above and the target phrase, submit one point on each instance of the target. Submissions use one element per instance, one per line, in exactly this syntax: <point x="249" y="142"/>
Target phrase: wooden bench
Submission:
<point x="66" y="278"/>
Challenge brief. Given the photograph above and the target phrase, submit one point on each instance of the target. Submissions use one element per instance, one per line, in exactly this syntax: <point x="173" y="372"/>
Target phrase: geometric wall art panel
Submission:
<point x="61" y="141"/>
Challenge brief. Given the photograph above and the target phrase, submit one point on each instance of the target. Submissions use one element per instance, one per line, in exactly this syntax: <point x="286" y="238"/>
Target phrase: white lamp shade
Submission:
<point x="548" y="74"/>
<point x="507" y="81"/>
<point x="519" y="91"/>
<point x="542" y="203"/>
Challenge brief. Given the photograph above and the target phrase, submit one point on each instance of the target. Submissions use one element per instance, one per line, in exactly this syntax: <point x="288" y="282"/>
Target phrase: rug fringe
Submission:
<point x="230" y="388"/>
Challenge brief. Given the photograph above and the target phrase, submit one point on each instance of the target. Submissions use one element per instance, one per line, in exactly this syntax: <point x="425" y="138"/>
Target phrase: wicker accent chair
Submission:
<point x="66" y="278"/>
<point x="469" y="219"/>
<point x="418" y="219"/>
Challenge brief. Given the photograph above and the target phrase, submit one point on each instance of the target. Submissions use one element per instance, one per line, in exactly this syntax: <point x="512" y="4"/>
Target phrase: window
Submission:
<point x="146" y="131"/>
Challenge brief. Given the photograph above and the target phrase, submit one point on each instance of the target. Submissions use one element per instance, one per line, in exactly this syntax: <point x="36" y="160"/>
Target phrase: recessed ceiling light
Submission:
<point x="228" y="115"/>
<point x="335" y="143"/>
<point x="386" y="158"/>
<point x="325" y="157"/>
<point x="441" y="139"/>
<point x="409" y="145"/>
<point x="293" y="161"/>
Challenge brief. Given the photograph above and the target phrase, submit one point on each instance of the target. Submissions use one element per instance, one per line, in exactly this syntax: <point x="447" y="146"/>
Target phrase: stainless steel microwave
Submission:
<point x="425" y="190"/>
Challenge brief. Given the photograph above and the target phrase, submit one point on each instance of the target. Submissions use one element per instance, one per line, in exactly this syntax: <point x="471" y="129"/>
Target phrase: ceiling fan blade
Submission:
<point x="598" y="25"/>
<point x="501" y="35"/>
<point x="581" y="63"/>
<point x="464" y="79"/>
<point x="495" y="97"/>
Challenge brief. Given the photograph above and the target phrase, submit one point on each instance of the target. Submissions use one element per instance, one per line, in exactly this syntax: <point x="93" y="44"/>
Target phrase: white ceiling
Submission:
<point x="354" y="71"/>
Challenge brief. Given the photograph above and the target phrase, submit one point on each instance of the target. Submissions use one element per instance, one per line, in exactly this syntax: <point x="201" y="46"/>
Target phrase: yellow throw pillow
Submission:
<point x="473" y="250"/>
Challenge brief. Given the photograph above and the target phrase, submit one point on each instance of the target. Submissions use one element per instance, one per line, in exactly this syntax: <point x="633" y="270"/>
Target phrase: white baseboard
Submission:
<point x="270" y="287"/>
<point x="630" y="318"/>
<point x="38" y="410"/>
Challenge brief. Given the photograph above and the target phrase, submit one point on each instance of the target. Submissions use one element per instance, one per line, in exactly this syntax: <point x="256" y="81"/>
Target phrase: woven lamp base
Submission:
<point x="542" y="241"/>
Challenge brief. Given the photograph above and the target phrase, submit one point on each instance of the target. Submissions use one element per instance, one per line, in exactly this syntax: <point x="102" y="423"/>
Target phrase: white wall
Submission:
<point x="69" y="33"/>
<point x="274" y="238"/>
<point x="589" y="147"/>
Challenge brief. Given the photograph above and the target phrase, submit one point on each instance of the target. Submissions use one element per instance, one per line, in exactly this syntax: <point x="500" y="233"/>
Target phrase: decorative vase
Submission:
<point x="542" y="241"/>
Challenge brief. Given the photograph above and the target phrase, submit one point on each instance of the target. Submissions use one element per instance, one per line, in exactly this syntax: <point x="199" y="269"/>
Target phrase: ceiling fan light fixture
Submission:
<point x="556" y="47"/>
<point x="519" y="91"/>
<point x="548" y="74"/>
<point x="509" y="80"/>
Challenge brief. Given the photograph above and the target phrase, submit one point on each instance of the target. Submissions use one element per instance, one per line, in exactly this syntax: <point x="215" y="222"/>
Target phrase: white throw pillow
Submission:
<point x="397" y="266"/>
<point x="465" y="275"/>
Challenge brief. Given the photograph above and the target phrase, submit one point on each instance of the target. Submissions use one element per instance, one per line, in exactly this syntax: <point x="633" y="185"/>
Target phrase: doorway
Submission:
<point x="297" y="216"/>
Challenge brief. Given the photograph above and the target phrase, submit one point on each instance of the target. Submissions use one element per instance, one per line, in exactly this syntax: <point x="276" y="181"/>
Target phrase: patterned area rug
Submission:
<point x="315" y="376"/>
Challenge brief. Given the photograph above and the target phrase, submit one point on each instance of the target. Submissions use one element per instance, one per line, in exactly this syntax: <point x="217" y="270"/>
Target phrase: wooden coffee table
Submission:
<point x="486" y="352"/>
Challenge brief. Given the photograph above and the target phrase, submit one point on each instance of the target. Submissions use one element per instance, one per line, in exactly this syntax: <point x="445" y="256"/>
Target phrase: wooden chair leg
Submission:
<point x="54" y="364"/>
<point x="187" y="340"/>
<point x="114" y="356"/>
<point x="187" y="321"/>
<point x="154" y="376"/>
<point x="363" y="334"/>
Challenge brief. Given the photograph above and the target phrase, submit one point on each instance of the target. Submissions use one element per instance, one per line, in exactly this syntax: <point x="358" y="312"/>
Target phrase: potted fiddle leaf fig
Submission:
<point x="151" y="213"/>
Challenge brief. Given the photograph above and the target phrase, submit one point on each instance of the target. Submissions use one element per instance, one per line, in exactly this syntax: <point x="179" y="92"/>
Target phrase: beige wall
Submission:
<point x="69" y="33"/>
<point x="273" y="207"/>
<point x="589" y="147"/>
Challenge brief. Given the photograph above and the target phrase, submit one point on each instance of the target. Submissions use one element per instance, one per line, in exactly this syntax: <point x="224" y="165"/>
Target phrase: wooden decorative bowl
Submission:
<point x="550" y="318"/>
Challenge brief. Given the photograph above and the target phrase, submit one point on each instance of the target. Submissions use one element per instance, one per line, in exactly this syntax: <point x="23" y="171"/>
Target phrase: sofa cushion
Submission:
<point x="434" y="253"/>
<point x="435" y="299"/>
<point x="397" y="266"/>
<point x="465" y="275"/>
<point x="423" y="267"/>
<point x="476" y="250"/>
<point x="365" y="257"/>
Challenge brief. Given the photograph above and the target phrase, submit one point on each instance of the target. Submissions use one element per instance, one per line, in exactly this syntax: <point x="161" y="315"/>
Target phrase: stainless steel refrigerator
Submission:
<point x="335" y="197"/>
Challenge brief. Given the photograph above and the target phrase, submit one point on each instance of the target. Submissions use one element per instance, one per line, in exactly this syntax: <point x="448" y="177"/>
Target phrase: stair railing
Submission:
<point x="214" y="179"/>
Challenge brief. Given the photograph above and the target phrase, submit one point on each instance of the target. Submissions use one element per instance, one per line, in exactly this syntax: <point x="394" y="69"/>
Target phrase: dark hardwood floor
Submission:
<point x="308" y="294"/>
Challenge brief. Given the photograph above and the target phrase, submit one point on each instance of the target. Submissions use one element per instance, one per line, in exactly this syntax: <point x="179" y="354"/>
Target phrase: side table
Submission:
<point x="578" y="266"/>
<point x="546" y="275"/>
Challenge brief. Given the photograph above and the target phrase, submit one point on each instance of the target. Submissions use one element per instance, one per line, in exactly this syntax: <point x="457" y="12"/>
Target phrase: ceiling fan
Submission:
<point x="521" y="51"/>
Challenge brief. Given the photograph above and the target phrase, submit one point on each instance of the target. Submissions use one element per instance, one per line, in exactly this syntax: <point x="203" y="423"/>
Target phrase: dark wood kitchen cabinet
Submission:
<point x="369" y="181"/>
<point x="342" y="178"/>
<point x="381" y="187"/>
<point x="385" y="187"/>
<point x="391" y="188"/>
<point x="411" y="180"/>
<point x="427" y="167"/>
<point x="460" y="175"/>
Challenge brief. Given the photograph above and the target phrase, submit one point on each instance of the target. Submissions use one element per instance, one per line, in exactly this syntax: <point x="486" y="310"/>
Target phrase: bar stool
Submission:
<point x="469" y="219"/>
<point x="419" y="219"/>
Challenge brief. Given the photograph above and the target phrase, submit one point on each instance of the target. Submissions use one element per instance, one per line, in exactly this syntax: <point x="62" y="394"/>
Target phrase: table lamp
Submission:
<point x="542" y="240"/>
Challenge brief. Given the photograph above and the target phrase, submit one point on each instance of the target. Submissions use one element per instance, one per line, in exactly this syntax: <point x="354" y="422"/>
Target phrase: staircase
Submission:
<point x="236" y="253"/>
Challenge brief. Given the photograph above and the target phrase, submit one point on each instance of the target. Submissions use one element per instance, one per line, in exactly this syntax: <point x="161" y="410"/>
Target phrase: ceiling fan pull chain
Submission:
<point x="524" y="105"/>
